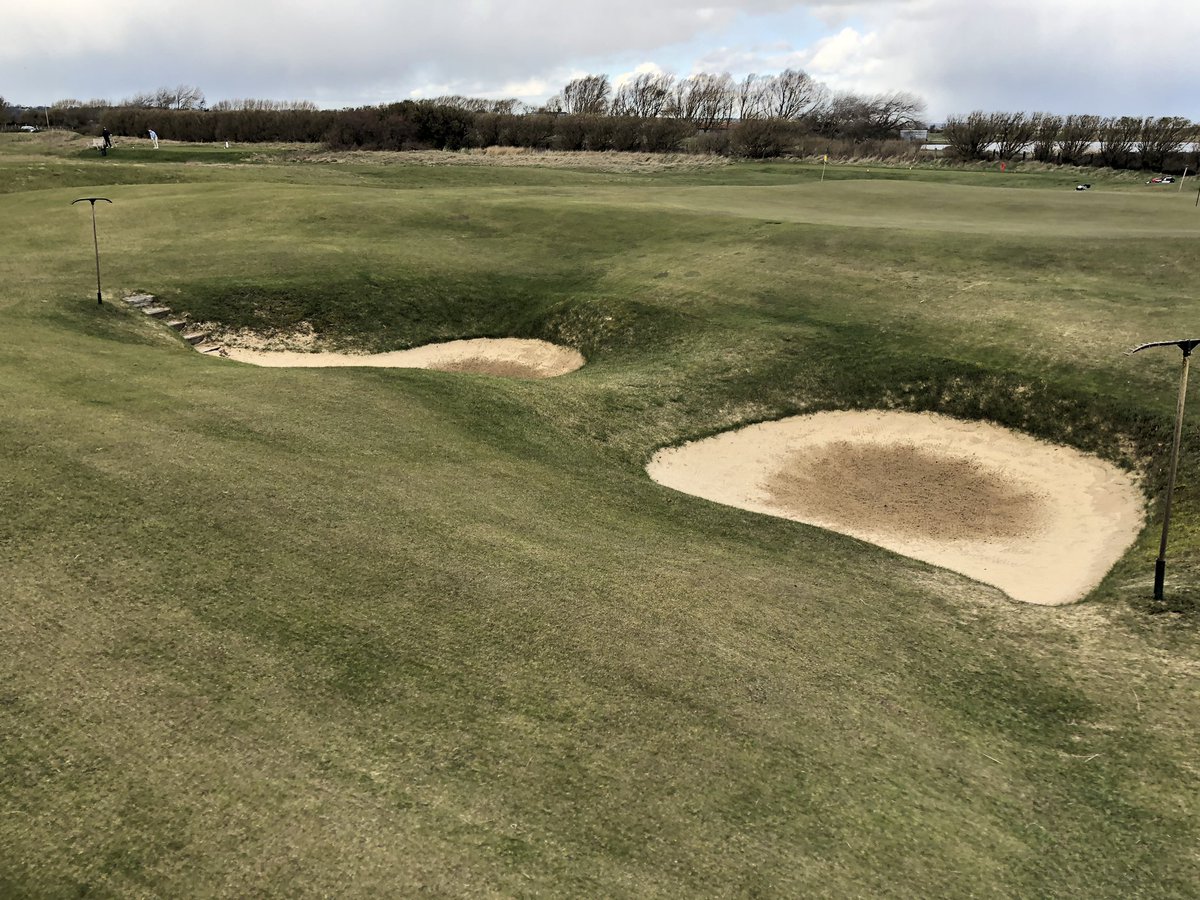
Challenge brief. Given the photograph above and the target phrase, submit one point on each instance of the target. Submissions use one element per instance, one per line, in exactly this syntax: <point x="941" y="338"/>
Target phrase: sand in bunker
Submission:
<point x="1043" y="523"/>
<point x="509" y="357"/>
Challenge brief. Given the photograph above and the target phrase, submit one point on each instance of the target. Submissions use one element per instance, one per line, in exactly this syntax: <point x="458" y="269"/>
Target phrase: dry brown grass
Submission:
<point x="601" y="161"/>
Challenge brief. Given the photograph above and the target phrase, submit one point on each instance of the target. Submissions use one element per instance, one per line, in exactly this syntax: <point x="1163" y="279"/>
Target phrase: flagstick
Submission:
<point x="824" y="159"/>
<point x="1185" y="171"/>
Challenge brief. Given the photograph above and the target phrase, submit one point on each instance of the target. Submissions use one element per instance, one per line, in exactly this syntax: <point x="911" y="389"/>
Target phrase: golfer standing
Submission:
<point x="107" y="135"/>
<point x="154" y="138"/>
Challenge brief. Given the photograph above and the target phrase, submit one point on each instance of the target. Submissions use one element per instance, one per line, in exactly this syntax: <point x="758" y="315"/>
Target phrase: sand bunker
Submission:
<point x="1043" y="523"/>
<point x="508" y="357"/>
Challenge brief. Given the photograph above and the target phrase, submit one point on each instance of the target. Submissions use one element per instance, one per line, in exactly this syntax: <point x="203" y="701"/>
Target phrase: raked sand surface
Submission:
<point x="1042" y="522"/>
<point x="510" y="357"/>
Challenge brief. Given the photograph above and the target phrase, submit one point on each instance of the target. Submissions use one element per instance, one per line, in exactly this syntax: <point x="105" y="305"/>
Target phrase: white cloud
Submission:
<point x="646" y="68"/>
<point x="1071" y="56"/>
<point x="846" y="56"/>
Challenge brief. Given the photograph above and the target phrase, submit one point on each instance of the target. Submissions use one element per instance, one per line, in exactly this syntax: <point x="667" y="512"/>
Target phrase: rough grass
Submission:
<point x="360" y="632"/>
<point x="597" y="161"/>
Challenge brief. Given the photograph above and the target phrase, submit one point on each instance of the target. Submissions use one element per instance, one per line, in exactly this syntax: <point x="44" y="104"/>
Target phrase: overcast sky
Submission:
<point x="1097" y="56"/>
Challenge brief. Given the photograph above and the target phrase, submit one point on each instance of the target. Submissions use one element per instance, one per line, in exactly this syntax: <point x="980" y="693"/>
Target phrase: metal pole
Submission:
<point x="95" y="241"/>
<point x="1160" y="565"/>
<point x="1187" y="346"/>
<point x="96" y="244"/>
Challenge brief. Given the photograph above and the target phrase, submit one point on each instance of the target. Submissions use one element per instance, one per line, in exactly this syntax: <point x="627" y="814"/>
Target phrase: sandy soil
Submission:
<point x="507" y="357"/>
<point x="1043" y="523"/>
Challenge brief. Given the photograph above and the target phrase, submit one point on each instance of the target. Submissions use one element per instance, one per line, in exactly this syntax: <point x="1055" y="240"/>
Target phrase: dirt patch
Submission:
<point x="1043" y="523"/>
<point x="303" y="337"/>
<point x="905" y="490"/>
<point x="501" y="368"/>
<point x="504" y="357"/>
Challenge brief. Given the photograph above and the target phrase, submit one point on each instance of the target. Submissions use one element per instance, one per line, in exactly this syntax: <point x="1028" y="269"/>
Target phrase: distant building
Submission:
<point x="914" y="134"/>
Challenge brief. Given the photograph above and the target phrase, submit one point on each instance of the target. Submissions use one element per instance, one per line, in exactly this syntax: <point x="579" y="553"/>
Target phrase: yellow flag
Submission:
<point x="826" y="159"/>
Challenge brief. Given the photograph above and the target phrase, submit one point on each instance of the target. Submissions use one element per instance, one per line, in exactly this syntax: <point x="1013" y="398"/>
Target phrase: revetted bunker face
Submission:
<point x="1044" y="523"/>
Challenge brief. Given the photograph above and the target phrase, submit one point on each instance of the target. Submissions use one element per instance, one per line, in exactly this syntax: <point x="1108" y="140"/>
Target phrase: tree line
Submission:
<point x="756" y="116"/>
<point x="651" y="112"/>
<point x="1119" y="142"/>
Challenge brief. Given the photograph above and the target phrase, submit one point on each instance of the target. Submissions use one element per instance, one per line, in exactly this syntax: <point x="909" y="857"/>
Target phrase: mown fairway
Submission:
<point x="354" y="632"/>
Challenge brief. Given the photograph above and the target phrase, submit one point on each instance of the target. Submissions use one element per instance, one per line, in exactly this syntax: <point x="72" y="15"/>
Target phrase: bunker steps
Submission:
<point x="153" y="307"/>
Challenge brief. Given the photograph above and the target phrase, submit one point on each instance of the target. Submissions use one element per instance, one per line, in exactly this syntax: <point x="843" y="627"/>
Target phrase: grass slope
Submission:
<point x="361" y="632"/>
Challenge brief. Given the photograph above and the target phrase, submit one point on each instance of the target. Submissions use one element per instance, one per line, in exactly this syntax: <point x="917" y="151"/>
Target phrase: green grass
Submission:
<point x="365" y="632"/>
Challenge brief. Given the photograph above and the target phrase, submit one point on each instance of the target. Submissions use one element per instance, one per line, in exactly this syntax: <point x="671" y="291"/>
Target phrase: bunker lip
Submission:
<point x="504" y="357"/>
<point x="1042" y="522"/>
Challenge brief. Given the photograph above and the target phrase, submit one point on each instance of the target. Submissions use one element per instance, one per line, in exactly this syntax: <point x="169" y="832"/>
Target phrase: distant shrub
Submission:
<point x="707" y="142"/>
<point x="570" y="133"/>
<point x="665" y="135"/>
<point x="760" y="138"/>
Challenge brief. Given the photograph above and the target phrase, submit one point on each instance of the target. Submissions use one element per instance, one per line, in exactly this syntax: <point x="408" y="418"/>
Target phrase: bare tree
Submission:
<point x="749" y="97"/>
<point x="506" y="106"/>
<point x="704" y="99"/>
<point x="968" y="137"/>
<point x="1045" y="136"/>
<point x="857" y="117"/>
<point x="1012" y="133"/>
<point x="888" y="113"/>
<point x="477" y="104"/>
<point x="1076" y="137"/>
<point x="587" y="96"/>
<point x="645" y="96"/>
<point x="839" y="115"/>
<point x="1160" y="138"/>
<point x="1118" y="138"/>
<point x="180" y="97"/>
<point x="140" y="101"/>
<point x="790" y="94"/>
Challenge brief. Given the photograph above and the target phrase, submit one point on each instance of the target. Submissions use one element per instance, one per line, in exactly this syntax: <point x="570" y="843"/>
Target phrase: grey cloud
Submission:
<point x="1101" y="56"/>
<point x="361" y="50"/>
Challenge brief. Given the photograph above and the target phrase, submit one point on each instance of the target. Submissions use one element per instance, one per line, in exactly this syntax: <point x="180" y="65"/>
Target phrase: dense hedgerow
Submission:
<point x="1161" y="144"/>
